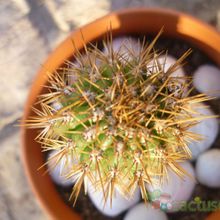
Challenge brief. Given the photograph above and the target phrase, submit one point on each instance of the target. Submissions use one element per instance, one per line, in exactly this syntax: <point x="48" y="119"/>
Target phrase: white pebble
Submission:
<point x="208" y="128"/>
<point x="124" y="45"/>
<point x="208" y="168"/>
<point x="58" y="172"/>
<point x="207" y="80"/>
<point x="170" y="194"/>
<point x="167" y="61"/>
<point x="144" y="212"/>
<point x="119" y="203"/>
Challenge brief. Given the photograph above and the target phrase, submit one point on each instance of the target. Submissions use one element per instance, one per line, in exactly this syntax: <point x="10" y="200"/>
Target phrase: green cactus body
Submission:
<point x="123" y="120"/>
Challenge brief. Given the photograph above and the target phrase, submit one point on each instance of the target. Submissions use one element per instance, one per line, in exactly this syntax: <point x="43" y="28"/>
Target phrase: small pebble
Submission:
<point x="168" y="61"/>
<point x="169" y="195"/>
<point x="119" y="203"/>
<point x="208" y="128"/>
<point x="124" y="45"/>
<point x="144" y="212"/>
<point x="208" y="168"/>
<point x="58" y="172"/>
<point x="207" y="80"/>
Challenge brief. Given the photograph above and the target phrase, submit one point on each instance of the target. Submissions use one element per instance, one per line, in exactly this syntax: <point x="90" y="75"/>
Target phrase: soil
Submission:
<point x="175" y="48"/>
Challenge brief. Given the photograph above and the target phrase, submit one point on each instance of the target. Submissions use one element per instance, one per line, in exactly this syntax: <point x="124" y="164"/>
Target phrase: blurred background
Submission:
<point x="29" y="31"/>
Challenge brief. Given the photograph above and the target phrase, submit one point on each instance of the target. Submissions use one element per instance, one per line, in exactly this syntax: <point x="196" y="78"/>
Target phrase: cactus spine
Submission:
<point x="120" y="117"/>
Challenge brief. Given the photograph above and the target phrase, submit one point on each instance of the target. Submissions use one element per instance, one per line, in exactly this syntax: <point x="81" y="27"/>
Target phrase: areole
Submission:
<point x="130" y="21"/>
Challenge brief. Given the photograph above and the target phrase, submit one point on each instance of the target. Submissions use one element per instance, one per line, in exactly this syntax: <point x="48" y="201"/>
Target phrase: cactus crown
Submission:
<point x="119" y="118"/>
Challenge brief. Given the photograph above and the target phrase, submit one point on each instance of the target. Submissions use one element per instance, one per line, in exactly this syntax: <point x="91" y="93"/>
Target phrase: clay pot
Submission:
<point x="131" y="21"/>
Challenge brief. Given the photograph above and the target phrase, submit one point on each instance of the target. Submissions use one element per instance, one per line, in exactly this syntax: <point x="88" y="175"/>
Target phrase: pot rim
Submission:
<point x="65" y="50"/>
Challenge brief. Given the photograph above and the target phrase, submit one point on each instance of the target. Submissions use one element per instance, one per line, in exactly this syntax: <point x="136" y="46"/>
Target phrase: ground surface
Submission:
<point x="29" y="30"/>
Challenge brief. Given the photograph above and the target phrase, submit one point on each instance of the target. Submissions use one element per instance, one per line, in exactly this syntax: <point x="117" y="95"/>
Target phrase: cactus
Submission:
<point x="119" y="118"/>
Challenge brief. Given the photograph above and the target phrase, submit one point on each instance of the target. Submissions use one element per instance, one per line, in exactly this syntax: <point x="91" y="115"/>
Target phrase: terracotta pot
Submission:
<point x="132" y="21"/>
